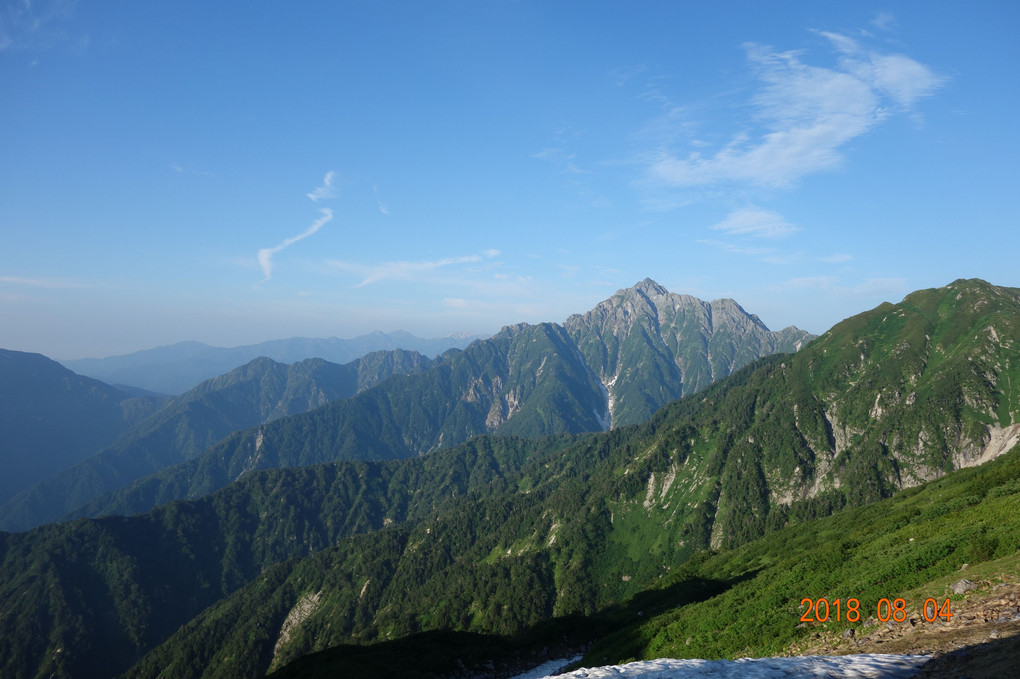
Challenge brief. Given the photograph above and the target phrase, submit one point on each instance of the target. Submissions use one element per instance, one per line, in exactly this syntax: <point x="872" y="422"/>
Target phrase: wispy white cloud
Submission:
<point x="383" y="207"/>
<point x="807" y="282"/>
<point x="404" y="270"/>
<point x="837" y="258"/>
<point x="893" y="287"/>
<point x="884" y="21"/>
<point x="180" y="169"/>
<point x="568" y="270"/>
<point x="737" y="249"/>
<point x="265" y="255"/>
<point x="563" y="160"/>
<point x="769" y="255"/>
<point x="756" y="222"/>
<point x="325" y="191"/>
<point x="39" y="25"/>
<point x="869" y="287"/>
<point x="621" y="76"/>
<point x="806" y="114"/>
<point x="48" y="283"/>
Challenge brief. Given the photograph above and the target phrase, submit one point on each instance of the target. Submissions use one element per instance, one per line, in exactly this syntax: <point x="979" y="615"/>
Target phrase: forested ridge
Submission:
<point x="498" y="535"/>
<point x="257" y="392"/>
<point x="616" y="365"/>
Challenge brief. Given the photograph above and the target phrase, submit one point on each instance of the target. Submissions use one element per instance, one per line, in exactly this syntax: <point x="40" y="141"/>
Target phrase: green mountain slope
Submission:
<point x="750" y="601"/>
<point x="650" y="346"/>
<point x="528" y="532"/>
<point x="259" y="392"/>
<point x="911" y="546"/>
<point x="51" y="418"/>
<point x="613" y="514"/>
<point x="526" y="380"/>
<point x="87" y="598"/>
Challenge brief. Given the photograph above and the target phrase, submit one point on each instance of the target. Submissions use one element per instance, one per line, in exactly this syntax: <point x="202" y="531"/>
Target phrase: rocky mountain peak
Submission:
<point x="726" y="312"/>
<point x="648" y="287"/>
<point x="509" y="331"/>
<point x="648" y="335"/>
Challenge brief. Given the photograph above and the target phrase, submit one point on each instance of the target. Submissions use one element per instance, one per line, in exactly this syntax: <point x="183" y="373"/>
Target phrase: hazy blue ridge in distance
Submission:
<point x="261" y="391"/>
<point x="51" y="418"/>
<point x="176" y="368"/>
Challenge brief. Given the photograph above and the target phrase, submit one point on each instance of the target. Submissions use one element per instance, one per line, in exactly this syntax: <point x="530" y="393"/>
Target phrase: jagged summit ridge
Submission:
<point x="648" y="335"/>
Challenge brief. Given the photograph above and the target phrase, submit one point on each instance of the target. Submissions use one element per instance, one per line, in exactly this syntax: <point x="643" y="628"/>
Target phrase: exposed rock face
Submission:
<point x="650" y="346"/>
<point x="304" y="608"/>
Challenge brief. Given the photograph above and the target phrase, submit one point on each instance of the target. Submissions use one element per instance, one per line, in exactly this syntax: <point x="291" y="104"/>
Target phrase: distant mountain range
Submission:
<point x="502" y="533"/>
<point x="179" y="367"/>
<point x="258" y="392"/>
<point x="51" y="418"/>
<point x="617" y="364"/>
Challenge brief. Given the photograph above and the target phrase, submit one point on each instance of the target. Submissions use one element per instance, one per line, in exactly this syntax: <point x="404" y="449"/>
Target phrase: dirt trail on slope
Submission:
<point x="982" y="641"/>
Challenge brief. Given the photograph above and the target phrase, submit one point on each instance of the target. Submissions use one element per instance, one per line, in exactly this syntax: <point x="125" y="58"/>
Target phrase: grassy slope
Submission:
<point x="910" y="546"/>
<point x="746" y="601"/>
<point x="615" y="514"/>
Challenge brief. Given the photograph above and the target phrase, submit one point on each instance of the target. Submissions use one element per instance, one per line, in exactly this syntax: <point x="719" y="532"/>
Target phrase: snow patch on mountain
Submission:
<point x="862" y="666"/>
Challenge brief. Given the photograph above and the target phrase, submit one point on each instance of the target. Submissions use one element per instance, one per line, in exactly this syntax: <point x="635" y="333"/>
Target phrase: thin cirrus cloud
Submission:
<point x="325" y="191"/>
<point x="266" y="254"/>
<point x="383" y="207"/>
<point x="737" y="249"/>
<point x="407" y="270"/>
<point x="870" y="286"/>
<point x="39" y="26"/>
<point x="49" y="283"/>
<point x="806" y="114"/>
<point x="755" y="222"/>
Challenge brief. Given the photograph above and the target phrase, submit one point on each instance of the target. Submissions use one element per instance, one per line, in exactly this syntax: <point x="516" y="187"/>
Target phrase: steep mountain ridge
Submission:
<point x="514" y="536"/>
<point x="615" y="512"/>
<point x="650" y="346"/>
<point x="527" y="380"/>
<point x="51" y="418"/>
<point x="258" y="392"/>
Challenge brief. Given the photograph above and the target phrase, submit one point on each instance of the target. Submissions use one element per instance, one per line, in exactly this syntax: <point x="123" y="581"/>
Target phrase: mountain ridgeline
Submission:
<point x="51" y="418"/>
<point x="617" y="365"/>
<point x="258" y="392"/>
<point x="177" y="368"/>
<point x="649" y="346"/>
<point x="498" y="534"/>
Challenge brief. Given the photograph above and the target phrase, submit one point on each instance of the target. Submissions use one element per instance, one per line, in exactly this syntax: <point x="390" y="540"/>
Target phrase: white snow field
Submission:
<point x="862" y="666"/>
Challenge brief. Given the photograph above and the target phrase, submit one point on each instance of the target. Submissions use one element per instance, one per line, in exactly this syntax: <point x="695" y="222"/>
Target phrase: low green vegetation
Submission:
<point x="748" y="601"/>
<point x="124" y="584"/>
<point x="499" y="535"/>
<point x="911" y="546"/>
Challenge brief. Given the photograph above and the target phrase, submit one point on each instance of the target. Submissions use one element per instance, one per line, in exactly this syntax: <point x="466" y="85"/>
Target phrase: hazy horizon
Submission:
<point x="181" y="171"/>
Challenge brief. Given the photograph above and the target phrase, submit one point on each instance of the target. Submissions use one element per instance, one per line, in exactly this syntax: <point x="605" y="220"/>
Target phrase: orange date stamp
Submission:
<point x="849" y="610"/>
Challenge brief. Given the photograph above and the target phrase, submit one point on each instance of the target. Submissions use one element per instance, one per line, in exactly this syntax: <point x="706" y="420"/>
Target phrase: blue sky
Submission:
<point x="234" y="172"/>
